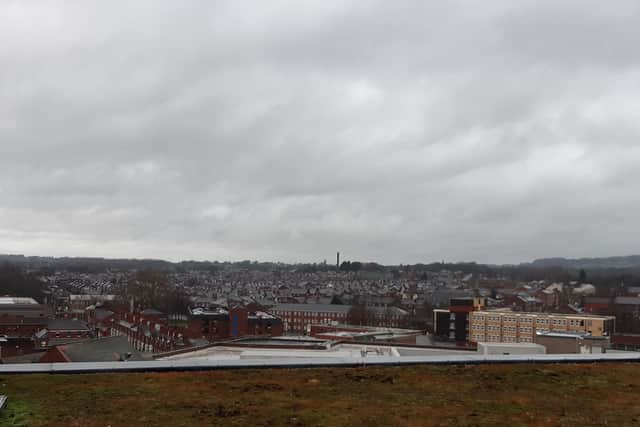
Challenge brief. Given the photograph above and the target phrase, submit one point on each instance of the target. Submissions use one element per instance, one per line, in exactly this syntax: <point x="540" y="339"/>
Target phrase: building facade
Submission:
<point x="62" y="331"/>
<point x="452" y="324"/>
<point x="298" y="318"/>
<point x="235" y="322"/>
<point x="20" y="320"/>
<point x="573" y="342"/>
<point x="521" y="327"/>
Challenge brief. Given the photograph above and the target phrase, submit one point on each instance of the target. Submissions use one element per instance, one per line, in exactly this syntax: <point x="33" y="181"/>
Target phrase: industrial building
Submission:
<point x="573" y="342"/>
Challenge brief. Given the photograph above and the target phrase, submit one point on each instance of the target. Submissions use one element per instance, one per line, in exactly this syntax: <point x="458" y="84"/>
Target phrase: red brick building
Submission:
<point x="152" y="331"/>
<point x="452" y="324"/>
<point x="62" y="331"/>
<point x="298" y="317"/>
<point x="20" y="319"/>
<point x="238" y="321"/>
<point x="598" y="305"/>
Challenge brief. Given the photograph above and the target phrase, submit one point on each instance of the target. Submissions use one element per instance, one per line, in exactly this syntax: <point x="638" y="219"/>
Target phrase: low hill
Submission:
<point x="617" y="262"/>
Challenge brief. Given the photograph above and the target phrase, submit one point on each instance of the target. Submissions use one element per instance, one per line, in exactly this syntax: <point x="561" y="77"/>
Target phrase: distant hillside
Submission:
<point x="15" y="282"/>
<point x="100" y="265"/>
<point x="617" y="262"/>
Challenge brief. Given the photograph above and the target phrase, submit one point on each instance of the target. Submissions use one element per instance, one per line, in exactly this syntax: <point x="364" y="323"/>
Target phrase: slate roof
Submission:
<point x="627" y="300"/>
<point x="66" y="325"/>
<point x="394" y="311"/>
<point x="151" y="312"/>
<point x="596" y="300"/>
<point x="101" y="314"/>
<point x="110" y="349"/>
<point x="329" y="308"/>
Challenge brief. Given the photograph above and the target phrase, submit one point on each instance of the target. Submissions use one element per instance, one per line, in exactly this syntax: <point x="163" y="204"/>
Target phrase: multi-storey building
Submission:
<point x="296" y="317"/>
<point x="20" y="319"/>
<point x="152" y="331"/>
<point x="453" y="323"/>
<point x="626" y="310"/>
<point x="62" y="331"/>
<point x="235" y="322"/>
<point x="521" y="327"/>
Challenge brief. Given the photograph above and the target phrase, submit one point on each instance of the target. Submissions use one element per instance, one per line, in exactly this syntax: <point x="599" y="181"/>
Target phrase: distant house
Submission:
<point x="101" y="320"/>
<point x="110" y="349"/>
<point x="237" y="321"/>
<point x="597" y="305"/>
<point x="523" y="302"/>
<point x="625" y="309"/>
<point x="62" y="331"/>
<point x="152" y="313"/>
<point x="77" y="304"/>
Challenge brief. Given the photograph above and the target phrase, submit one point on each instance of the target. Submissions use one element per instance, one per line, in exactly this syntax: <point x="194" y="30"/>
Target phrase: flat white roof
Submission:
<point x="510" y="344"/>
<point x="344" y="351"/>
<point x="508" y="312"/>
<point x="83" y="297"/>
<point x="16" y="300"/>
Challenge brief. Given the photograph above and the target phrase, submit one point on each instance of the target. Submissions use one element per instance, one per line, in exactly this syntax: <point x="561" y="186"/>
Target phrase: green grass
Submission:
<point x="20" y="413"/>
<point x="492" y="395"/>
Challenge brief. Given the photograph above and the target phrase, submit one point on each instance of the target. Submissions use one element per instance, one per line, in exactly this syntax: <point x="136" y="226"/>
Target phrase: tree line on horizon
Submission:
<point x="151" y="283"/>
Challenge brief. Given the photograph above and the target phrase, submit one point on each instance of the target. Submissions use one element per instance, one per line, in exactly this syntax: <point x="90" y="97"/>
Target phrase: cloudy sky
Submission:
<point x="394" y="132"/>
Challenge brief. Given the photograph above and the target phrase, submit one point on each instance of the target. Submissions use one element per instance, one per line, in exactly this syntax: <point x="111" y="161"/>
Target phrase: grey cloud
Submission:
<point x="399" y="133"/>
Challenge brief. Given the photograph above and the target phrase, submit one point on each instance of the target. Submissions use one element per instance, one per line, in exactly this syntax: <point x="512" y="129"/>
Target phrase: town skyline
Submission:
<point x="328" y="261"/>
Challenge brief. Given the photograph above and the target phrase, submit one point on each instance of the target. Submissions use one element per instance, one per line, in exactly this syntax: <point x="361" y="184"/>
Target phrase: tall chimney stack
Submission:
<point x="338" y="261"/>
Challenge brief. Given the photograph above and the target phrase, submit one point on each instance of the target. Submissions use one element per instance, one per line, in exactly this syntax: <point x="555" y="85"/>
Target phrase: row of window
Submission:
<point x="307" y="314"/>
<point x="498" y="338"/>
<point x="521" y="329"/>
<point x="526" y="320"/>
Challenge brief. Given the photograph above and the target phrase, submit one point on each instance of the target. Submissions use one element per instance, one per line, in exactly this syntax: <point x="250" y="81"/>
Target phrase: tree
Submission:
<point x="15" y="282"/>
<point x="360" y="314"/>
<point x="354" y="266"/>
<point x="583" y="276"/>
<point x="345" y="266"/>
<point x="152" y="289"/>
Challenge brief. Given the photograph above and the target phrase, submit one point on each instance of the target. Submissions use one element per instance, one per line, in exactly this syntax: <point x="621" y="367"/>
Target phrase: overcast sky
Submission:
<point x="393" y="131"/>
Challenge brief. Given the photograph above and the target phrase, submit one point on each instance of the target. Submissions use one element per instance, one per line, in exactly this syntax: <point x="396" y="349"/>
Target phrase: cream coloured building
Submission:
<point x="521" y="327"/>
